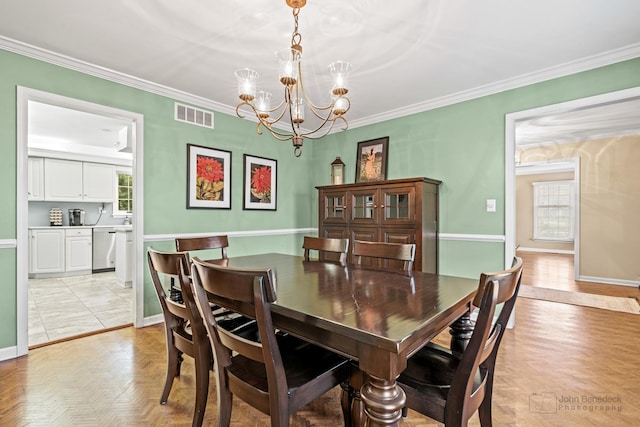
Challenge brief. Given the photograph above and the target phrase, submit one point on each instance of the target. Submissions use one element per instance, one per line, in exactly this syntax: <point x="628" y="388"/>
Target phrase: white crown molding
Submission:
<point x="573" y="67"/>
<point x="584" y="64"/>
<point x="111" y="75"/>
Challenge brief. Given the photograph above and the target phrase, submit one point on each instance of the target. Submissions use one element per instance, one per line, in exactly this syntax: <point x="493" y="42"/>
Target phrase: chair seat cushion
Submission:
<point x="427" y="379"/>
<point x="303" y="362"/>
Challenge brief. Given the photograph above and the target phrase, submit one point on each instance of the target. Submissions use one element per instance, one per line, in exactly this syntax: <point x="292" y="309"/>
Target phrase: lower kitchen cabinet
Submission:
<point x="124" y="257"/>
<point x="56" y="252"/>
<point x="46" y="251"/>
<point x="78" y="252"/>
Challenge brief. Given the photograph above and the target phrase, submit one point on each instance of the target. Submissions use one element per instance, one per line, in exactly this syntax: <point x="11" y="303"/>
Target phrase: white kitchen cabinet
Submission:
<point x="98" y="182"/>
<point x="124" y="255"/>
<point x="62" y="180"/>
<point x="46" y="250"/>
<point x="35" y="183"/>
<point x="69" y="180"/>
<point x="78" y="253"/>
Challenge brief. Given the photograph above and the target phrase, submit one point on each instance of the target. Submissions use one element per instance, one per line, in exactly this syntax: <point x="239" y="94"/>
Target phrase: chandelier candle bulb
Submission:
<point x="263" y="104"/>
<point x="298" y="110"/>
<point x="340" y="71"/>
<point x="247" y="83"/>
<point x="288" y="60"/>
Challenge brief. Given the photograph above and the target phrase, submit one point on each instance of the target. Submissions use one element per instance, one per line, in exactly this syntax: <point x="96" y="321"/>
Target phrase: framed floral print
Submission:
<point x="260" y="183"/>
<point x="208" y="178"/>
<point x="371" y="162"/>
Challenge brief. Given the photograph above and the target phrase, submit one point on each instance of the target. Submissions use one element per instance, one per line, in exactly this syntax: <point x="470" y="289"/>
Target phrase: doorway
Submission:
<point x="27" y="96"/>
<point x="610" y="101"/>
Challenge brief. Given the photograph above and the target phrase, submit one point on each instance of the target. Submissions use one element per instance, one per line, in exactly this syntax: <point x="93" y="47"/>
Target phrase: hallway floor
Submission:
<point x="64" y="307"/>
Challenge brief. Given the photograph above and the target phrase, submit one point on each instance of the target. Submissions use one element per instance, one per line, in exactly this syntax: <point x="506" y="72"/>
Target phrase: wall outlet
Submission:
<point x="102" y="210"/>
<point x="491" y="205"/>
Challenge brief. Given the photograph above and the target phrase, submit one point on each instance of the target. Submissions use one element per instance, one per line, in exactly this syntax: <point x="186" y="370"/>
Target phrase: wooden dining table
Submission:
<point x="377" y="318"/>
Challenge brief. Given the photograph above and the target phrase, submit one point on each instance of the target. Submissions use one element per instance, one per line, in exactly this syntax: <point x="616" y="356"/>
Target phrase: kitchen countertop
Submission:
<point x="116" y="227"/>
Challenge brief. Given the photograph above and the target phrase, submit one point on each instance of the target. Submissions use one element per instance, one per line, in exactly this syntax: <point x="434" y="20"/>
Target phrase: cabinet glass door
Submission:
<point x="364" y="206"/>
<point x="334" y="208"/>
<point x="399" y="205"/>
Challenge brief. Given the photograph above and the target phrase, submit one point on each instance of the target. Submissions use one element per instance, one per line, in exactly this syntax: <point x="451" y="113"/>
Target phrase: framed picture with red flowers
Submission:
<point x="260" y="183"/>
<point x="208" y="178"/>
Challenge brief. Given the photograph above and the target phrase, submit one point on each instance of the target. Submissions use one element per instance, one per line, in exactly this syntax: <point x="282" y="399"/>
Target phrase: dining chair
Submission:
<point x="185" y="331"/>
<point x="451" y="389"/>
<point x="207" y="243"/>
<point x="329" y="249"/>
<point x="188" y="244"/>
<point x="388" y="253"/>
<point x="277" y="374"/>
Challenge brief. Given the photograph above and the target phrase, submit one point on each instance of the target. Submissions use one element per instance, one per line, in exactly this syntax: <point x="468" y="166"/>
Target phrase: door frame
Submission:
<point x="510" y="144"/>
<point x="24" y="95"/>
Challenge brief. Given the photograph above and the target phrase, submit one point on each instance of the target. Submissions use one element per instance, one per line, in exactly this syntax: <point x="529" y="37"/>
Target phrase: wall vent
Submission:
<point x="195" y="116"/>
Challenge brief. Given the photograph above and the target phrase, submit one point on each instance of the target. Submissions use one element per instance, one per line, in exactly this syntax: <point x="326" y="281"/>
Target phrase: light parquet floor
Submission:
<point x="584" y="356"/>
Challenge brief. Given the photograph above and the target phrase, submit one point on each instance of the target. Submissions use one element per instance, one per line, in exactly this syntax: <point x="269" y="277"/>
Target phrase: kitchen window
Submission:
<point x="124" y="204"/>
<point x="554" y="211"/>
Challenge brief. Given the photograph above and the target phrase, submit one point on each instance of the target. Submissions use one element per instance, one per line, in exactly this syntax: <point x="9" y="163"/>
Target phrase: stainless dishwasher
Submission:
<point x="104" y="249"/>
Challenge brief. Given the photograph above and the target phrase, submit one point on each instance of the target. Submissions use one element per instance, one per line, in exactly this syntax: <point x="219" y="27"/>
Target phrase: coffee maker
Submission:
<point x="76" y="217"/>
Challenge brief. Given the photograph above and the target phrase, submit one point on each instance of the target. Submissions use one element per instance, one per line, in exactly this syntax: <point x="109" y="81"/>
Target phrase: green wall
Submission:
<point x="461" y="144"/>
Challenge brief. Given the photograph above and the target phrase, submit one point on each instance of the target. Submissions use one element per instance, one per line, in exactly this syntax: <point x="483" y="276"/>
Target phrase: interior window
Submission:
<point x="554" y="210"/>
<point x="124" y="205"/>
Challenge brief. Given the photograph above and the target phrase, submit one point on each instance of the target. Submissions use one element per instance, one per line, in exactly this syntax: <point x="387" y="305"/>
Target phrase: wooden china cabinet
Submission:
<point x="395" y="211"/>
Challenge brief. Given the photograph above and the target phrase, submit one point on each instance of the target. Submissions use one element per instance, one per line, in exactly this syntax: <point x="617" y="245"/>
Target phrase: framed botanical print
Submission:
<point x="208" y="178"/>
<point x="260" y="183"/>
<point x="371" y="162"/>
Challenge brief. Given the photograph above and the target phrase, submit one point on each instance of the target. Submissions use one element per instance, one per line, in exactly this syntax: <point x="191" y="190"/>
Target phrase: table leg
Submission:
<point x="461" y="331"/>
<point x="383" y="402"/>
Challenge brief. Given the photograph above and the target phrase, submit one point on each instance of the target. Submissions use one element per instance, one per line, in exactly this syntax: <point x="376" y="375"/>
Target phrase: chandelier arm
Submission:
<point x="313" y="134"/>
<point x="346" y="123"/>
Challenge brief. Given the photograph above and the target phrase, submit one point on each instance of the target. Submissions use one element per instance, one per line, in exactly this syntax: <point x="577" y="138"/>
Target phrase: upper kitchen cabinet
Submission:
<point x="36" y="178"/>
<point x="68" y="180"/>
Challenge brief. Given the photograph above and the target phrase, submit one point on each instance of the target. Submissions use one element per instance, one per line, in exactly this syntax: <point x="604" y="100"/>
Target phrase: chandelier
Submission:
<point x="295" y="101"/>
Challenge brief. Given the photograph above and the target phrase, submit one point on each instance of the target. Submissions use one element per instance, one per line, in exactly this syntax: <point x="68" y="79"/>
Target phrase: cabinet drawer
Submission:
<point x="74" y="232"/>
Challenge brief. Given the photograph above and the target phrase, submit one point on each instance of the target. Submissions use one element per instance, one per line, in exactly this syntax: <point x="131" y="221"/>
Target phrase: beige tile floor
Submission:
<point x="67" y="306"/>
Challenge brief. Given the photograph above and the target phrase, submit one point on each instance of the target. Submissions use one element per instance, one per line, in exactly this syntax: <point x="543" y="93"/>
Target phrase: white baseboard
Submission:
<point x="8" y="353"/>
<point x="543" y="250"/>
<point x="608" y="281"/>
<point x="153" y="320"/>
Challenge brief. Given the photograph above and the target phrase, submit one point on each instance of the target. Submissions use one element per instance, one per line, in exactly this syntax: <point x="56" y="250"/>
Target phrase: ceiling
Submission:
<point x="407" y="57"/>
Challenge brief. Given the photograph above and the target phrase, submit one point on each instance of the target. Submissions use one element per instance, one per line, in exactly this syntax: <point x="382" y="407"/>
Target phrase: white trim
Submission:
<point x="250" y="233"/>
<point x="552" y="166"/>
<point x="153" y="320"/>
<point x="545" y="250"/>
<point x="8" y="243"/>
<point x="8" y="353"/>
<point x="491" y="238"/>
<point x="584" y="64"/>
<point x="24" y="95"/>
<point x="123" y="160"/>
<point x="609" y="281"/>
<point x="108" y="74"/>
<point x="510" y="141"/>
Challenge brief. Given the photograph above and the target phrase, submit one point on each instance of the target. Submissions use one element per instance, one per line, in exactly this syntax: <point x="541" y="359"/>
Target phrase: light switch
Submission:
<point x="491" y="205"/>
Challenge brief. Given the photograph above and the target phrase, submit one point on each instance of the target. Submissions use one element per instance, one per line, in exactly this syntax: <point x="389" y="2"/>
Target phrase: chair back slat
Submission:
<point x="187" y="244"/>
<point x="329" y="249"/>
<point x="404" y="252"/>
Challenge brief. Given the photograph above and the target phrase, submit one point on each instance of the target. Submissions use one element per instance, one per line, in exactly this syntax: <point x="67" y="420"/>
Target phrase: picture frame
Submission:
<point x="208" y="178"/>
<point x="371" y="162"/>
<point x="260" y="183"/>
